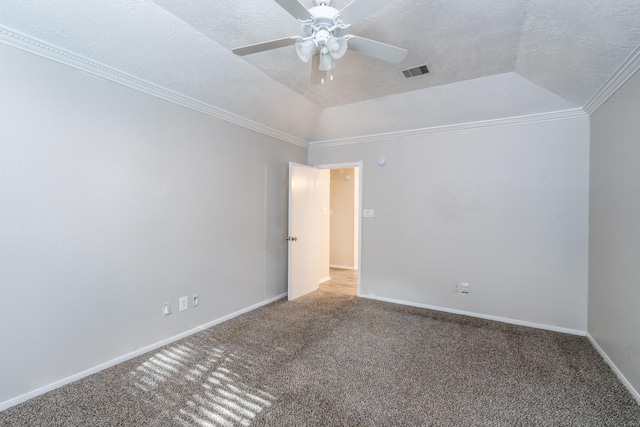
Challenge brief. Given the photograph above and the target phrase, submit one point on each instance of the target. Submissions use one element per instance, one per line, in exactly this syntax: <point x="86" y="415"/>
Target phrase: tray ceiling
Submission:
<point x="487" y="59"/>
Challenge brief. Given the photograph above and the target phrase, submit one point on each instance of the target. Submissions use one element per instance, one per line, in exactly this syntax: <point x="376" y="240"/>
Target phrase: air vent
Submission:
<point x="415" y="71"/>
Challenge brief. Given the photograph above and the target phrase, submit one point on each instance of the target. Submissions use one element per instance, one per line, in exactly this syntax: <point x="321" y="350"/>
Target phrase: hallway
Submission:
<point x="343" y="281"/>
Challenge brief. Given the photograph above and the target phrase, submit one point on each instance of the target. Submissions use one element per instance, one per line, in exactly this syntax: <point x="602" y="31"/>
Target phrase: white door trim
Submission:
<point x="359" y="165"/>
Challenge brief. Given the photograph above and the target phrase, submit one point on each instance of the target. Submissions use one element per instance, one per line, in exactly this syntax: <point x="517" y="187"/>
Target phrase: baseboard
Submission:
<point x="344" y="267"/>
<point x="325" y="279"/>
<point x="30" y="395"/>
<point x="480" y="315"/>
<point x="614" y="368"/>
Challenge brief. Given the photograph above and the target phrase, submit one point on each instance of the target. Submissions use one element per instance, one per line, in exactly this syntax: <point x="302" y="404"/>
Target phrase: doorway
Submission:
<point x="339" y="257"/>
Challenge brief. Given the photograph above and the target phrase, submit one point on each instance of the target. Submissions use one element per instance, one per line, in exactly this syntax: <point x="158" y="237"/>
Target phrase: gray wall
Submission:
<point x="614" y="229"/>
<point x="503" y="208"/>
<point x="113" y="202"/>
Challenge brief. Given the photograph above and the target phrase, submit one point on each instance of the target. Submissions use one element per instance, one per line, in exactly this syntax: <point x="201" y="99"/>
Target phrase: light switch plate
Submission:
<point x="368" y="213"/>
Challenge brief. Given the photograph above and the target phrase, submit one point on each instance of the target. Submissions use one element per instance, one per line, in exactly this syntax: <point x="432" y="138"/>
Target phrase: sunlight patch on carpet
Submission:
<point x="224" y="398"/>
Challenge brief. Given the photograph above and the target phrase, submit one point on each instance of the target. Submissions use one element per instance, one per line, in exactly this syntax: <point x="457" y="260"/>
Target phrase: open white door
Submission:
<point x="304" y="229"/>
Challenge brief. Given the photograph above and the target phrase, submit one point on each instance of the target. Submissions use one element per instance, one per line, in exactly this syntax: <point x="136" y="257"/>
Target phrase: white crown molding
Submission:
<point x="46" y="50"/>
<point x="40" y="48"/>
<point x="627" y="69"/>
<point x="508" y="121"/>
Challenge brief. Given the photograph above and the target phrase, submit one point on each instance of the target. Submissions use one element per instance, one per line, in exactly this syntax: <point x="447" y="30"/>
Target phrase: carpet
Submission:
<point x="336" y="360"/>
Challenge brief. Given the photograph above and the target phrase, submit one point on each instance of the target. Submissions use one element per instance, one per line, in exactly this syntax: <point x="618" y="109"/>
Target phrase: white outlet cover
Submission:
<point x="184" y="303"/>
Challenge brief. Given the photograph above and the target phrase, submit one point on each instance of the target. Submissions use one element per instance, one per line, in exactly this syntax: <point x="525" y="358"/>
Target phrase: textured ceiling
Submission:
<point x="487" y="59"/>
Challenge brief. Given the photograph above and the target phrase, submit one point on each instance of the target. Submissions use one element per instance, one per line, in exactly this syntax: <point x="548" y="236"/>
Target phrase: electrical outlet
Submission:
<point x="184" y="303"/>
<point x="166" y="309"/>
<point x="195" y="300"/>
<point x="460" y="288"/>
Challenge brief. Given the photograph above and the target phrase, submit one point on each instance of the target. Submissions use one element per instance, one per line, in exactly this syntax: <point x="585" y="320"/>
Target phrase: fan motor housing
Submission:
<point x="324" y="18"/>
<point x="327" y="12"/>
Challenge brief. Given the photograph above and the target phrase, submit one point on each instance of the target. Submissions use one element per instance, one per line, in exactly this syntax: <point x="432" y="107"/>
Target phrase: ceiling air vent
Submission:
<point x="415" y="71"/>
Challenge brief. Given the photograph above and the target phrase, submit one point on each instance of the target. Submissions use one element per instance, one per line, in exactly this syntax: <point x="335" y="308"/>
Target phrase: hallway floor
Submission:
<point x="343" y="282"/>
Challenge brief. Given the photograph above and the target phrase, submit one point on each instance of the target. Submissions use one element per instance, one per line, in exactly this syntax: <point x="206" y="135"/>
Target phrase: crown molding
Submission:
<point x="508" y="121"/>
<point x="13" y="38"/>
<point x="627" y="69"/>
<point x="46" y="50"/>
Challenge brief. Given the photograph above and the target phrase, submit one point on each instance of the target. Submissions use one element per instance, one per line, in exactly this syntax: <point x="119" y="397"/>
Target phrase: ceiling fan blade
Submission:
<point x="296" y="10"/>
<point x="317" y="76"/>
<point x="261" y="47"/>
<point x="378" y="50"/>
<point x="357" y="10"/>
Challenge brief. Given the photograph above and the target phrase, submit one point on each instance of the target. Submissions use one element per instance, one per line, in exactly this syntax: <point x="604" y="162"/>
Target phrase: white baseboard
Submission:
<point x="344" y="267"/>
<point x="614" y="368"/>
<point x="325" y="279"/>
<point x="593" y="342"/>
<point x="480" y="315"/>
<point x="24" y="397"/>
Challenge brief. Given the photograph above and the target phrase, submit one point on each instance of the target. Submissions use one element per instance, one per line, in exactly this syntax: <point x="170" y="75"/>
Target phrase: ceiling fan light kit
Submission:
<point x="323" y="40"/>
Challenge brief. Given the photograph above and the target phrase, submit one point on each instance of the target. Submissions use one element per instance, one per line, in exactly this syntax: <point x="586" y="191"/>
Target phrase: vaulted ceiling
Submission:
<point x="487" y="60"/>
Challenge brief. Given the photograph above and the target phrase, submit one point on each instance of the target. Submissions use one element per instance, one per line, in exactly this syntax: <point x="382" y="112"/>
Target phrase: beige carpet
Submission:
<point x="336" y="360"/>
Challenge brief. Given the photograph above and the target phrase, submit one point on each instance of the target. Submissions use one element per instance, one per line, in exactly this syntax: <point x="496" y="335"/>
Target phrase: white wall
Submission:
<point x="342" y="219"/>
<point x="113" y="202"/>
<point x="614" y="230"/>
<point x="503" y="208"/>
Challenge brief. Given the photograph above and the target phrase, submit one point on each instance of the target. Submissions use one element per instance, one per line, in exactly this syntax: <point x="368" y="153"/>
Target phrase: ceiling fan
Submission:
<point x="323" y="41"/>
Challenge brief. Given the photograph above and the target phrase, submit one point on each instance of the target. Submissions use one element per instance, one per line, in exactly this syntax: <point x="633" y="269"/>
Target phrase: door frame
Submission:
<point x="359" y="165"/>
